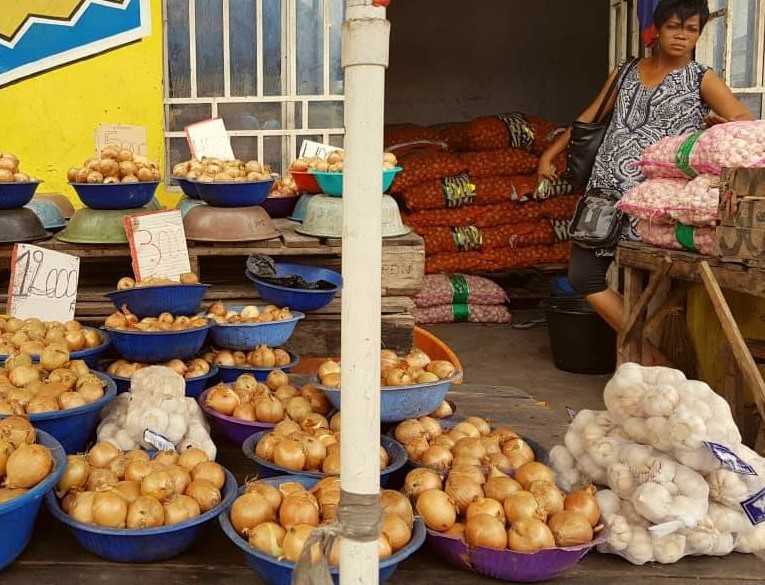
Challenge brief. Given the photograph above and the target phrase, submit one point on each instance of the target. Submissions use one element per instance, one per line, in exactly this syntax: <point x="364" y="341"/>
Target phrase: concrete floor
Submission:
<point x="503" y="356"/>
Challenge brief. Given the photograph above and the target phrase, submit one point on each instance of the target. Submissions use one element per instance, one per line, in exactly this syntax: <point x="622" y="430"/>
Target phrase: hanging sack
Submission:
<point x="586" y="137"/>
<point x="597" y="222"/>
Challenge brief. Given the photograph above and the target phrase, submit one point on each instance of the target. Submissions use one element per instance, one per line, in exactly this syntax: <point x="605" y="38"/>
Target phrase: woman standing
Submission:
<point x="662" y="95"/>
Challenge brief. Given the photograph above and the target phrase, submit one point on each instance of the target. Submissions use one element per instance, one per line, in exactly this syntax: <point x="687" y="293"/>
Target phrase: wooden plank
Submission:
<point x="733" y="387"/>
<point x="736" y="186"/>
<point x="631" y="350"/>
<point x="636" y="312"/>
<point x="740" y="242"/>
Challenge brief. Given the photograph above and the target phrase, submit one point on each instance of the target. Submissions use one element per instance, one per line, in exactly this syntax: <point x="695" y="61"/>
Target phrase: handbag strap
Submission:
<point x="618" y="80"/>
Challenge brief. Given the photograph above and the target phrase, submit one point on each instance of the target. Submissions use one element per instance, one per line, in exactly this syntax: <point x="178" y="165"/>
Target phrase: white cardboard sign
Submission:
<point x="158" y="244"/>
<point x="309" y="149"/>
<point x="43" y="284"/>
<point x="209" y="138"/>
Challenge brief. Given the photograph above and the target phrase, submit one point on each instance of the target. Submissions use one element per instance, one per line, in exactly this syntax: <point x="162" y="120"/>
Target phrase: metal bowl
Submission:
<point x="324" y="218"/>
<point x="229" y="224"/>
<point x="15" y="195"/>
<point x="61" y="201"/>
<point x="49" y="213"/>
<point x="21" y="225"/>
<point x="116" y="195"/>
<point x="98" y="226"/>
<point x="298" y="214"/>
<point x="233" y="194"/>
<point x="188" y="188"/>
<point x="186" y="204"/>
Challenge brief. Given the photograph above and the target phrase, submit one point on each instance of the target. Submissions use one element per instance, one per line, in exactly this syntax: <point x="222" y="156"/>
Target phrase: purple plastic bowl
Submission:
<point x="509" y="565"/>
<point x="233" y="429"/>
<point x="280" y="206"/>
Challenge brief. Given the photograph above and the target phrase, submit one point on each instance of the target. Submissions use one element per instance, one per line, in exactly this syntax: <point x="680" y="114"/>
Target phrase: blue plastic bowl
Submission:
<point x="153" y="347"/>
<point x="73" y="427"/>
<point x="301" y="207"/>
<point x="399" y="403"/>
<point x="396" y="452"/>
<point x="240" y="194"/>
<point x="332" y="183"/>
<point x="194" y="386"/>
<point x="248" y="336"/>
<point x="278" y="572"/>
<point x="115" y="195"/>
<point x="189" y="189"/>
<point x="15" y="195"/>
<point x="17" y="517"/>
<point x="234" y="429"/>
<point x="89" y="356"/>
<point x="150" y="301"/>
<point x="302" y="300"/>
<point x="49" y="213"/>
<point x="229" y="374"/>
<point x="141" y="545"/>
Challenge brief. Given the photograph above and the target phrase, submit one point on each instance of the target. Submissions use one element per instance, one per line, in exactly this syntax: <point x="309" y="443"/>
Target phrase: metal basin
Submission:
<point x="324" y="218"/>
<point x="49" y="213"/>
<point x="206" y="223"/>
<point x="186" y="204"/>
<point x="61" y="201"/>
<point x="98" y="226"/>
<point x="21" y="225"/>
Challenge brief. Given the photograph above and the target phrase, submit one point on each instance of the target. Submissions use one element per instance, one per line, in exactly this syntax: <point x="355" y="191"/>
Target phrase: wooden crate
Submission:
<point x="741" y="225"/>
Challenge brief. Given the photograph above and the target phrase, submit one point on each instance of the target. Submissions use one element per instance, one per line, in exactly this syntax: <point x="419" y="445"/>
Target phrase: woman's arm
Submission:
<point x="718" y="96"/>
<point x="545" y="168"/>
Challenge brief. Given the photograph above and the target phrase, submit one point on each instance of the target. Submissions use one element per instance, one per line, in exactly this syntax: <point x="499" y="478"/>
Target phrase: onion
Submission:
<point x="281" y="357"/>
<point x="81" y="508"/>
<point x="548" y="496"/>
<point x="437" y="457"/>
<point x="268" y="538"/>
<point x="68" y="400"/>
<point x="529" y="536"/>
<point x="384" y="458"/>
<point x="91" y="391"/>
<point x="486" y="506"/>
<point x="462" y="491"/>
<point x="481" y="424"/>
<point x="75" y="340"/>
<point x="139" y="455"/>
<point x="224" y="358"/>
<point x="249" y="510"/>
<point x="101" y="454"/>
<point x="486" y="531"/>
<point x="315" y="451"/>
<point x="27" y="466"/>
<point x="286" y="427"/>
<point x="265" y="447"/>
<point x="53" y="358"/>
<point x="500" y="461"/>
<point x="409" y="430"/>
<point x="175" y="511"/>
<point x="504" y="434"/>
<point x="416" y="447"/>
<point x="518" y="451"/>
<point x="192" y="457"/>
<point x="584" y="502"/>
<point x="210" y="471"/>
<point x="396" y="530"/>
<point x="491" y="445"/>
<point x="246" y="412"/>
<point x="437" y="509"/>
<point x="5" y="451"/>
<point x="23" y="375"/>
<point x="92" y="338"/>
<point x="177" y="366"/>
<point x="297" y="407"/>
<point x="570" y="528"/>
<point x="431" y="426"/>
<point x="277" y="378"/>
<point x="74" y="478"/>
<point x="444" y="441"/>
<point x="130" y="491"/>
<point x="393" y="502"/>
<point x="205" y="494"/>
<point x="267" y="491"/>
<point x="331" y="463"/>
<point x="334" y="422"/>
<point x="441" y="368"/>
<point x="99" y="479"/>
<point x="298" y="509"/>
<point x="499" y="488"/>
<point x="470" y="471"/>
<point x="291" y="454"/>
<point x="222" y="399"/>
<point x="420" y="480"/>
<point x="320" y="403"/>
<point x="291" y="487"/>
<point x="467" y="429"/>
<point x="158" y="485"/>
<point x="328" y="367"/>
<point x="397" y="377"/>
<point x="523" y="505"/>
<point x="181" y="478"/>
<point x="137" y="469"/>
<point x="533" y="471"/>
<point x="145" y="512"/>
<point x="388" y="359"/>
<point x="167" y="458"/>
<point x="295" y="540"/>
<point x="313" y="421"/>
<point x="269" y="409"/>
<point x="40" y="404"/>
<point x="109" y="510"/>
<point x="469" y="447"/>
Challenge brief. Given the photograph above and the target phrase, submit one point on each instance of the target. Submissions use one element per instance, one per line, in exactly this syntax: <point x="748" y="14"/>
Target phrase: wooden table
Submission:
<point x="53" y="558"/>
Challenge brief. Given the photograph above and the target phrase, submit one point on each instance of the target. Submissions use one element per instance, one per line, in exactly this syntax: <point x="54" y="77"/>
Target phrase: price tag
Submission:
<point x="309" y="149"/>
<point x="157" y="441"/>
<point x="209" y="138"/>
<point x="43" y="284"/>
<point x="729" y="460"/>
<point x="158" y="244"/>
<point x="754" y="508"/>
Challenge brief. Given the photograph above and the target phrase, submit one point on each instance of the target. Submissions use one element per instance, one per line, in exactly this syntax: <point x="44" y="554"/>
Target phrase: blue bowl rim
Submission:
<point x="246" y="369"/>
<point x="418" y="532"/>
<point x="117" y="332"/>
<point x="76" y="355"/>
<point x="111" y="185"/>
<point x="6" y="185"/>
<point x="101" y="367"/>
<point x="248" y="448"/>
<point x="109" y="393"/>
<point x="296" y="316"/>
<point x="154" y="287"/>
<point x="395" y="169"/>
<point x="298" y="291"/>
<point x="47" y="484"/>
<point x="229" y="494"/>
<point x="391" y="389"/>
<point x="196" y="182"/>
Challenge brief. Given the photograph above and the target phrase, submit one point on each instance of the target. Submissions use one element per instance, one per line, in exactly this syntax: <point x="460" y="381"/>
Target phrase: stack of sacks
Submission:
<point x="475" y="196"/>
<point x="679" y="481"/>
<point x="678" y="203"/>
<point x="460" y="298"/>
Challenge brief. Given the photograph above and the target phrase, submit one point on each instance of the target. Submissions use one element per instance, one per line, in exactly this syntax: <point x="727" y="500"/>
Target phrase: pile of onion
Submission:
<point x="278" y="520"/>
<point x="55" y="383"/>
<point x="260" y="357"/>
<point x="469" y="442"/>
<point x="33" y="336"/>
<point x="271" y="402"/>
<point x="525" y="513"/>
<point x="211" y="169"/>
<point x="308" y="444"/>
<point x="415" y="368"/>
<point x="23" y="463"/>
<point x="124" y="320"/>
<point x="113" y="489"/>
<point x="115" y="164"/>
<point x="9" y="170"/>
<point x="192" y="369"/>
<point x="126" y="282"/>
<point x="251" y="314"/>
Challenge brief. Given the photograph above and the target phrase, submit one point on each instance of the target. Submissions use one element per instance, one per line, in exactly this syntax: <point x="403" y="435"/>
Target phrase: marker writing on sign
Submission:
<point x="158" y="245"/>
<point x="58" y="283"/>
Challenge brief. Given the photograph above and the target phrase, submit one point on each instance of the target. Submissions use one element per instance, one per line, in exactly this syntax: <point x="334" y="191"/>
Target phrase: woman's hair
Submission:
<point x="683" y="9"/>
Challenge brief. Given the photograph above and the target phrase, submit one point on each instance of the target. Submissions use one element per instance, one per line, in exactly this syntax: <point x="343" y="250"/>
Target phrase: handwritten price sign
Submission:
<point x="209" y="138"/>
<point x="158" y="244"/>
<point x="309" y="149"/>
<point x="43" y="283"/>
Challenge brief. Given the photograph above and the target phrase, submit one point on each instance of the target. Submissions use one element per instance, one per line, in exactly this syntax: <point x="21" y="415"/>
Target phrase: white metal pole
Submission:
<point x="365" y="45"/>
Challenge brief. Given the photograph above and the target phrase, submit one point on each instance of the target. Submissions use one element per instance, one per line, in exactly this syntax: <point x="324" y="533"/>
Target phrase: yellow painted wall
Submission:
<point x="49" y="120"/>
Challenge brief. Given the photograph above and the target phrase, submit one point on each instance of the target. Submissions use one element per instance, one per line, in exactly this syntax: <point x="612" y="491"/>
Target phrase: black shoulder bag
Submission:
<point x="586" y="137"/>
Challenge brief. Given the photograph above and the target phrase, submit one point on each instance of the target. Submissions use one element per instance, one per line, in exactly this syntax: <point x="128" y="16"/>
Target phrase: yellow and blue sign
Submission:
<point x="38" y="35"/>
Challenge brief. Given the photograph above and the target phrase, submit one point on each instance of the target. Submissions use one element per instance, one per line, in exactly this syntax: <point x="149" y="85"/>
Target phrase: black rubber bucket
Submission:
<point x="581" y="341"/>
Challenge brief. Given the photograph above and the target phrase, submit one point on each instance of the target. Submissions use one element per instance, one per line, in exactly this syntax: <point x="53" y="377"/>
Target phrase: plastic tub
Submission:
<point x="581" y="341"/>
<point x="279" y="572"/>
<point x="305" y="182"/>
<point x="229" y="374"/>
<point x="302" y="300"/>
<point x="16" y="195"/>
<point x="396" y="452"/>
<point x="153" y="347"/>
<point x="189" y="189"/>
<point x="17" y="517"/>
<point x="281" y="206"/>
<point x="194" y="386"/>
<point x="89" y="356"/>
<point x="73" y="427"/>
<point x="141" y="545"/>
<point x="233" y="429"/>
<point x="115" y="195"/>
<point x="400" y="403"/>
<point x="332" y="183"/>
<point x="150" y="301"/>
<point x="248" y="336"/>
<point x="233" y="194"/>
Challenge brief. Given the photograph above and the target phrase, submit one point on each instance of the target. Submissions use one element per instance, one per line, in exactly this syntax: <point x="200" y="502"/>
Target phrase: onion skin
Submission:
<point x="268" y="538"/>
<point x="249" y="510"/>
<point x="397" y="531"/>
<point x="570" y="528"/>
<point x="437" y="509"/>
<point x="584" y="502"/>
<point x="297" y="509"/>
<point x="529" y="536"/>
<point x="145" y="512"/>
<point x="533" y="471"/>
<point x="393" y="502"/>
<point x="486" y="531"/>
<point x="109" y="510"/>
<point x="205" y="494"/>
<point x="27" y="466"/>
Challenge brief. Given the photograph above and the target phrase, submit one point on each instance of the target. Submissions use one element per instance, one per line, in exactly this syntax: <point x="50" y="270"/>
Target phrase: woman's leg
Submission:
<point x="610" y="306"/>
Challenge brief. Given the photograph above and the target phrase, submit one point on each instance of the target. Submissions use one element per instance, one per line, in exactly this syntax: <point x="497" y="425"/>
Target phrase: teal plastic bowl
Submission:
<point x="332" y="183"/>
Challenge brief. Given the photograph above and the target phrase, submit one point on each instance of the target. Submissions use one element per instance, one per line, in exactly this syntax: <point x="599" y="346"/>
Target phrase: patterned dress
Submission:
<point x="641" y="117"/>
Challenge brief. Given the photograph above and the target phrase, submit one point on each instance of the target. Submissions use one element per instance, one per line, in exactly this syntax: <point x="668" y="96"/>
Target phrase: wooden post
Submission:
<point x="631" y="350"/>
